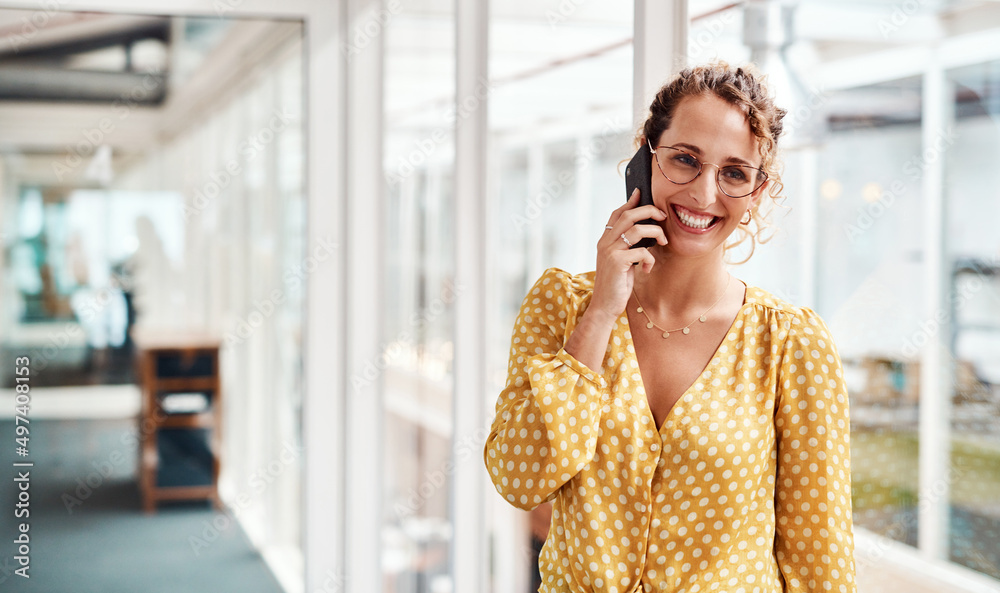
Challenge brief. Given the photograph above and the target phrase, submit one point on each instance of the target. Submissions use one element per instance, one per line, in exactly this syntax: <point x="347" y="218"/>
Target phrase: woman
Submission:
<point x="691" y="430"/>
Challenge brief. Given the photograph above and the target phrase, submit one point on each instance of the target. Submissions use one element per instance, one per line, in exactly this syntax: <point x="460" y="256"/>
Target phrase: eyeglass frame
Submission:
<point x="701" y="169"/>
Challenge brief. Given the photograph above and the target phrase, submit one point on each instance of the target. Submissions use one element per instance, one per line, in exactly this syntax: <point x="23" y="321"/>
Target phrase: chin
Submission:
<point x="693" y="250"/>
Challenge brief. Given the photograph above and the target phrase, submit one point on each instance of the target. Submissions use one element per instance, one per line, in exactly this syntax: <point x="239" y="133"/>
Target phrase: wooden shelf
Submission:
<point x="179" y="384"/>
<point x="204" y="420"/>
<point x="177" y="363"/>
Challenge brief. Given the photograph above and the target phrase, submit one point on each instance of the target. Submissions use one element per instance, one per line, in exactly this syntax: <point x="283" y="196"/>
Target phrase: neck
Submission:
<point x="679" y="287"/>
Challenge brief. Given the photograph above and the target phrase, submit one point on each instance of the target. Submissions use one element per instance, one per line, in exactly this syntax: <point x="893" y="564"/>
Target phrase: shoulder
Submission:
<point x="767" y="301"/>
<point x="556" y="296"/>
<point x="796" y="325"/>
<point x="556" y="282"/>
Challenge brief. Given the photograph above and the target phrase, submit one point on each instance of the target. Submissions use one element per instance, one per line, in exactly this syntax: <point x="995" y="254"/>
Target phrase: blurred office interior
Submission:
<point x="313" y="224"/>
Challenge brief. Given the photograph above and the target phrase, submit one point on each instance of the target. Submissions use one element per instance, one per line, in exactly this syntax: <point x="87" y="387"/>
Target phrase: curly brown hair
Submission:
<point x="743" y="87"/>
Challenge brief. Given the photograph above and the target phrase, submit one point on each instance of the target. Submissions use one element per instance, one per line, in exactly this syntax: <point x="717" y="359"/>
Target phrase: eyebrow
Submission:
<point x="697" y="151"/>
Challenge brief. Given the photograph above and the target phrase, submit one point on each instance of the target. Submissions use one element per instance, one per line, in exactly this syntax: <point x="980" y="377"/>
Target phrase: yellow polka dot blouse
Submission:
<point x="745" y="487"/>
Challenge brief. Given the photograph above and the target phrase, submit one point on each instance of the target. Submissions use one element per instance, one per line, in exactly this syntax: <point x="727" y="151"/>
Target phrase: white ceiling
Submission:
<point x="541" y="54"/>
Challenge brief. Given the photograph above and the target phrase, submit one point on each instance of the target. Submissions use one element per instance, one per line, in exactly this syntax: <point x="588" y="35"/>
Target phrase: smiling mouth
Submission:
<point x="694" y="222"/>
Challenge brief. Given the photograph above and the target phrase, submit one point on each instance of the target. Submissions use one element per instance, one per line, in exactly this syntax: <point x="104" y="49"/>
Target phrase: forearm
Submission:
<point x="589" y="340"/>
<point x="548" y="415"/>
<point x="545" y="430"/>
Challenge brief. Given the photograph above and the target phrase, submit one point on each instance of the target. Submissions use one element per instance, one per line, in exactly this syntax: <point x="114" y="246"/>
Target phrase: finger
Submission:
<point x="633" y="218"/>
<point x="641" y="231"/>
<point x="642" y="213"/>
<point x="641" y="257"/>
<point x="647" y="261"/>
<point x="624" y="241"/>
<point x="633" y="199"/>
<point x="628" y="259"/>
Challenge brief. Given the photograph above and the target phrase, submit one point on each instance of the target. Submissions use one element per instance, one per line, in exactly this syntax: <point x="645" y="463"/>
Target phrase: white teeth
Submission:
<point x="697" y="222"/>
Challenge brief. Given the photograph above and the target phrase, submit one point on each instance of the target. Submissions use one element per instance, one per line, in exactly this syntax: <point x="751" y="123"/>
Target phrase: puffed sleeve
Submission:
<point x="548" y="414"/>
<point x="814" y="540"/>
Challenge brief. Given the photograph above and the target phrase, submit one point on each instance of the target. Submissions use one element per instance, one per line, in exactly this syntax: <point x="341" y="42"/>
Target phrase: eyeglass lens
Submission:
<point x="736" y="181"/>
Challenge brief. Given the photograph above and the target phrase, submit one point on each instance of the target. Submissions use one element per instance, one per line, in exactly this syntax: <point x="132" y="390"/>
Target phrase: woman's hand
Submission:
<point x="615" y="260"/>
<point x="614" y="279"/>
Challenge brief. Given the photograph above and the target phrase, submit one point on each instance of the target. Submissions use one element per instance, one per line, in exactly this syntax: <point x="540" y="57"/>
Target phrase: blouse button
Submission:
<point x="654" y="447"/>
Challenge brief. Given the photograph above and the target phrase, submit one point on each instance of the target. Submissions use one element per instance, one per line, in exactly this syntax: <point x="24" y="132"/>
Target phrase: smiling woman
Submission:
<point x="713" y="456"/>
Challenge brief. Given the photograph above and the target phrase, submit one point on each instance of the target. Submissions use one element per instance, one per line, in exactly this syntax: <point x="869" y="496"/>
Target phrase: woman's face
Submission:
<point x="713" y="131"/>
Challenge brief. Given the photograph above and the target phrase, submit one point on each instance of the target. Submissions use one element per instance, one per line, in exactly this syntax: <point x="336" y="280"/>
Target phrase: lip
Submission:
<point x="691" y="230"/>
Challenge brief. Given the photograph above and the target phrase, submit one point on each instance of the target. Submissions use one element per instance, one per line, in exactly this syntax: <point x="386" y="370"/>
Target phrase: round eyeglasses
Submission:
<point x="736" y="181"/>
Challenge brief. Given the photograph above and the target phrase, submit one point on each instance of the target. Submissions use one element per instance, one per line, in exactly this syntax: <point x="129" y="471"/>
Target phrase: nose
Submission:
<point x="705" y="188"/>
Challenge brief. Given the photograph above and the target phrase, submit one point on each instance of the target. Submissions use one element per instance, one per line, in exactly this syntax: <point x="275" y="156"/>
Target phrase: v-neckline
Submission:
<point x="708" y="365"/>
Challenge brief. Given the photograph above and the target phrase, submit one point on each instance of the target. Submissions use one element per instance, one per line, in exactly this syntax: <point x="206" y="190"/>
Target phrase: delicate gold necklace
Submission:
<point x="687" y="328"/>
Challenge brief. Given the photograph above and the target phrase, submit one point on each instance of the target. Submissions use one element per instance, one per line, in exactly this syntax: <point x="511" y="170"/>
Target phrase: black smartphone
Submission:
<point x="639" y="173"/>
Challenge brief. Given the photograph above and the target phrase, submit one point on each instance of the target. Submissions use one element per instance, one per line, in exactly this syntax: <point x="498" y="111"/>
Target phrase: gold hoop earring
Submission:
<point x="749" y="218"/>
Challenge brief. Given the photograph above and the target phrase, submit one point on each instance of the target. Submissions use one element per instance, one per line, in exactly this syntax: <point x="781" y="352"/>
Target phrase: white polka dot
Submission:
<point x="769" y="401"/>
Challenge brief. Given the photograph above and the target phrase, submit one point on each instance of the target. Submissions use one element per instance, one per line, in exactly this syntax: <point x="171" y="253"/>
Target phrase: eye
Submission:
<point x="686" y="160"/>
<point x="736" y="174"/>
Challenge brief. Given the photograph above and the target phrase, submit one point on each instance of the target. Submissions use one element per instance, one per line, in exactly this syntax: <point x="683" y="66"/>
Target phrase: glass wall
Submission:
<point x="869" y="274"/>
<point x="180" y="217"/>
<point x="80" y="268"/>
<point x="970" y="151"/>
<point x="560" y="124"/>
<point x="866" y="142"/>
<point x="238" y="172"/>
<point x="418" y="321"/>
<point x="854" y="239"/>
<point x="873" y="275"/>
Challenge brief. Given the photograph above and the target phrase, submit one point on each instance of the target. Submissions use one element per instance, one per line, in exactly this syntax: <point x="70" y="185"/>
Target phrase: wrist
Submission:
<point x="589" y="340"/>
<point x="599" y="318"/>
